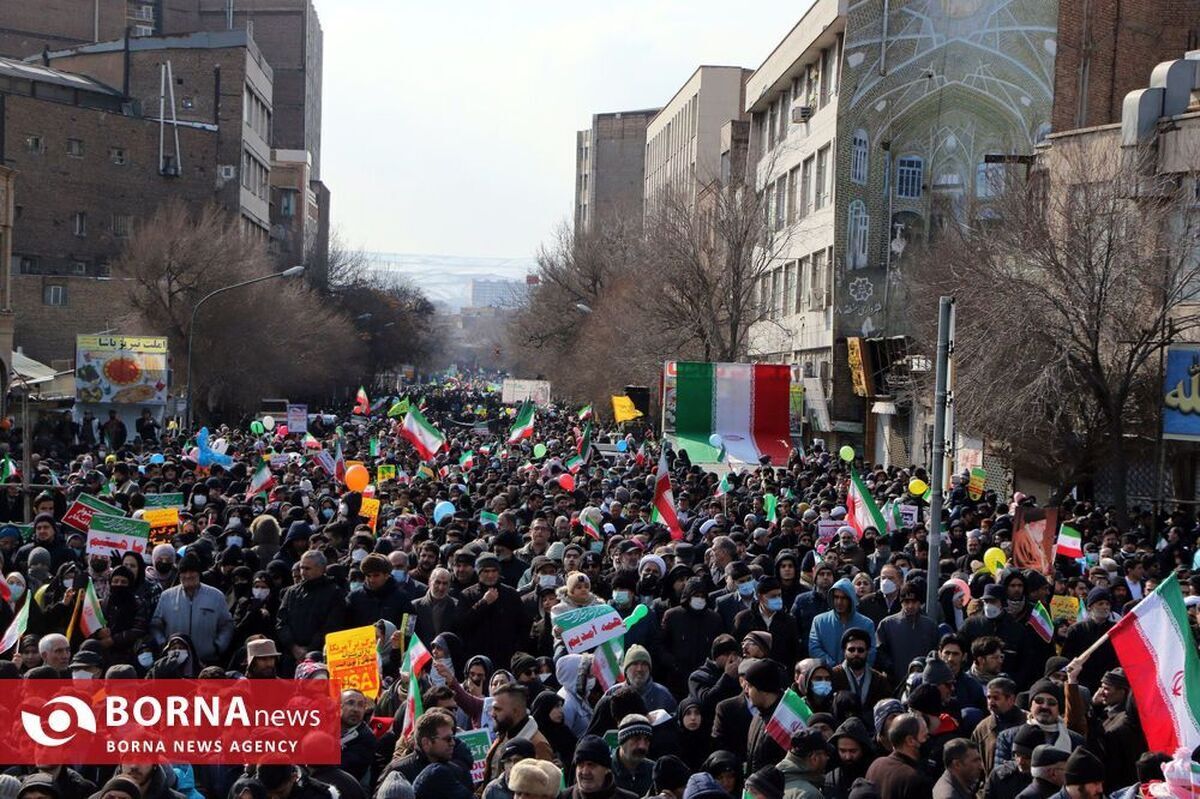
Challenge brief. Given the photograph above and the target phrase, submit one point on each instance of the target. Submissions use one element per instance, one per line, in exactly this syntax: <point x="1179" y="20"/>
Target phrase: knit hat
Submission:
<point x="1045" y="686"/>
<point x="1083" y="767"/>
<point x="937" y="673"/>
<point x="636" y="654"/>
<point x="519" y="748"/>
<point x="443" y="781"/>
<point x="124" y="785"/>
<point x="1098" y="595"/>
<point x="885" y="708"/>
<point x="1047" y="755"/>
<point x="807" y="741"/>
<point x="522" y="662"/>
<point x="704" y="786"/>
<point x="767" y="782"/>
<point x="375" y="564"/>
<point x="1054" y="665"/>
<point x="487" y="560"/>
<point x="42" y="783"/>
<point x="723" y="644"/>
<point x="394" y="786"/>
<point x="863" y="789"/>
<point x="926" y="698"/>
<point x="632" y="726"/>
<point x="1116" y="678"/>
<point x="670" y="773"/>
<point x="761" y="639"/>
<point x="9" y="785"/>
<point x="592" y="749"/>
<point x="1028" y="738"/>
<point x="760" y="674"/>
<point x="537" y="777"/>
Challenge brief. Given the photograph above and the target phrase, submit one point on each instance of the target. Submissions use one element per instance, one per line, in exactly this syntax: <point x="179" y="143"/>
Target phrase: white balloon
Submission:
<point x="269" y="422"/>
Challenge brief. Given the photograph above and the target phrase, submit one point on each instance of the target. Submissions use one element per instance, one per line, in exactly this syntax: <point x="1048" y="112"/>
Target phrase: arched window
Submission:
<point x="859" y="157"/>
<point x="857" y="227"/>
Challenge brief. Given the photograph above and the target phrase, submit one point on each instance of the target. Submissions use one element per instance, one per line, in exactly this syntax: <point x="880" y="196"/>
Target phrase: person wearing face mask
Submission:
<point x="162" y="569"/>
<point x="687" y="634"/>
<point x="381" y="596"/>
<point x="409" y="586"/>
<point x="264" y="537"/>
<point x="886" y="601"/>
<point x="128" y="618"/>
<point x="767" y="615"/>
<point x="255" y="614"/>
<point x="1083" y="634"/>
<point x="624" y="599"/>
<point x="739" y="594"/>
<point x="437" y="611"/>
<point x="905" y="635"/>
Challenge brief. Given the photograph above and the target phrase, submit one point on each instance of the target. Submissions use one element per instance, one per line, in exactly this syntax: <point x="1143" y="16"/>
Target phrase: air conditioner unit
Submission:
<point x="802" y="113"/>
<point x="227" y="171"/>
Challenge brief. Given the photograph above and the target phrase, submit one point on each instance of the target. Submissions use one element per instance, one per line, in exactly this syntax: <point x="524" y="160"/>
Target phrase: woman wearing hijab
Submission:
<point x="128" y="619"/>
<point x="147" y="591"/>
<point x="547" y="711"/>
<point x="574" y="674"/>
<point x="57" y="599"/>
<point x="255" y="613"/>
<point x="695" y="739"/>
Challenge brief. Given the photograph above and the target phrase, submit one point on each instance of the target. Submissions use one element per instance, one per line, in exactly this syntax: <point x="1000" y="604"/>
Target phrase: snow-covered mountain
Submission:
<point x="446" y="279"/>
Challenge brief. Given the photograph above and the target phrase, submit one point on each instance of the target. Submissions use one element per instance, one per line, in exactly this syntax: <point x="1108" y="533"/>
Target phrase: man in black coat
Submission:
<point x="717" y="678"/>
<point x="764" y="690"/>
<point x="437" y="611"/>
<point x="768" y="615"/>
<point x="491" y="614"/>
<point x="1083" y="634"/>
<point x="310" y="609"/>
<point x="380" y="597"/>
<point x="731" y="725"/>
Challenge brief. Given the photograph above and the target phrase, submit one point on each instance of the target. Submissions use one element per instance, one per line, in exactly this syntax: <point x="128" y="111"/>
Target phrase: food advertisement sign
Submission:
<point x="123" y="370"/>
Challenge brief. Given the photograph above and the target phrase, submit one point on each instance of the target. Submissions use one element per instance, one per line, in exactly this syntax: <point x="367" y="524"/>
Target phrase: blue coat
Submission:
<point x="825" y="637"/>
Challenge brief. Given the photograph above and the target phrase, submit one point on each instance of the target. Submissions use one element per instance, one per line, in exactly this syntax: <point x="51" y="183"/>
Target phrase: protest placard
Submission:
<point x="79" y="515"/>
<point x="1064" y="607"/>
<point x="164" y="500"/>
<point x="978" y="480"/>
<point x="164" y="524"/>
<point x="586" y="628"/>
<point x="478" y="741"/>
<point x="909" y="515"/>
<point x="370" y="510"/>
<point x="384" y="472"/>
<point x="108" y="534"/>
<point x="351" y="657"/>
<point x="297" y="419"/>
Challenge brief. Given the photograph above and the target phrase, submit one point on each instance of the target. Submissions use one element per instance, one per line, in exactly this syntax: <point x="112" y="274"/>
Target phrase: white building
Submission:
<point x="792" y="100"/>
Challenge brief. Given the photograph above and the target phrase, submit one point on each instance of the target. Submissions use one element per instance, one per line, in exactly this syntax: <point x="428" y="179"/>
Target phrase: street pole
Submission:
<point x="937" y="478"/>
<point x="1165" y="338"/>
<point x="291" y="272"/>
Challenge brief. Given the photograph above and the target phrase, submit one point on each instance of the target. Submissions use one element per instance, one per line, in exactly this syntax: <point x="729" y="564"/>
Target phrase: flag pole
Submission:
<point x="75" y="612"/>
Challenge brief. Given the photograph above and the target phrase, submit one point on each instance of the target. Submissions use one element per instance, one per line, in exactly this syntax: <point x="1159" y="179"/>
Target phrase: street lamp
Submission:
<point x="294" y="271"/>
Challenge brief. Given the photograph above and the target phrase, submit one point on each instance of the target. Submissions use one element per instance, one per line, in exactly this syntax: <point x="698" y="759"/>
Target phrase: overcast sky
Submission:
<point x="449" y="128"/>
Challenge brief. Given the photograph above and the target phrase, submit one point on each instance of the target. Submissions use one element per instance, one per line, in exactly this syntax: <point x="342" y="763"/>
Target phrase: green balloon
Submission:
<point x="539" y="450"/>
<point x="638" y="614"/>
<point x="256" y="427"/>
<point x="847" y="453"/>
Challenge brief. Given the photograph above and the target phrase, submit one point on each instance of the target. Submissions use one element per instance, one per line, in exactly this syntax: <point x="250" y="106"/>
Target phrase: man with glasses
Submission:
<point x="358" y="742"/>
<point x="1045" y="713"/>
<point x="854" y="676"/>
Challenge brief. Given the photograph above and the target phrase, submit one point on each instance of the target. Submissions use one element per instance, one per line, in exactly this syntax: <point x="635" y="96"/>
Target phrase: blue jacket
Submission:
<point x="825" y="637"/>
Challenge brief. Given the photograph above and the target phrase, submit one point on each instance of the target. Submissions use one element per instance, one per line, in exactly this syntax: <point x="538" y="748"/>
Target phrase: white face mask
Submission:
<point x="887" y="585"/>
<point x="233" y="541"/>
<point x="260" y="593"/>
<point x="145" y="659"/>
<point x="991" y="610"/>
<point x="199" y="500"/>
<point x="358" y="554"/>
<point x="547" y="580"/>
<point x="698" y="603"/>
<point x="80" y="674"/>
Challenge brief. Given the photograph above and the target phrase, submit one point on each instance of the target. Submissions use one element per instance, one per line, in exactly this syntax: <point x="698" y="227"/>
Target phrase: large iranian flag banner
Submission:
<point x="1154" y="644"/>
<point x="746" y="404"/>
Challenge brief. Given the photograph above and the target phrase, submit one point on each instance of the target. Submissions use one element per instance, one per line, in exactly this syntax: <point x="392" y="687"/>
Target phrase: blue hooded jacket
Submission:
<point x="825" y="637"/>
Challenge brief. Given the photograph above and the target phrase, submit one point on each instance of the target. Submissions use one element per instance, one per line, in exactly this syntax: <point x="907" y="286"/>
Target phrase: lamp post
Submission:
<point x="290" y="272"/>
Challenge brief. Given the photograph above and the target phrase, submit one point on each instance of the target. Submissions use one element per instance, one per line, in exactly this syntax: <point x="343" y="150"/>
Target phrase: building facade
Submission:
<point x="683" y="140"/>
<point x="610" y="163"/>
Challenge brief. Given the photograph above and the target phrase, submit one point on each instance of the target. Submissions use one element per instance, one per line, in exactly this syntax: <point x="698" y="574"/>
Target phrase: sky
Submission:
<point x="449" y="128"/>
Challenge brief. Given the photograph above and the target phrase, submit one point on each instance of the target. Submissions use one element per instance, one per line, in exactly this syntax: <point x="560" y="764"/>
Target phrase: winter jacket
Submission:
<point x="309" y="610"/>
<point x="367" y="607"/>
<point x="900" y="777"/>
<point x="798" y="783"/>
<point x="825" y="638"/>
<point x="901" y="639"/>
<point x="687" y="637"/>
<point x="493" y="630"/>
<point x="203" y="618"/>
<point x="573" y="673"/>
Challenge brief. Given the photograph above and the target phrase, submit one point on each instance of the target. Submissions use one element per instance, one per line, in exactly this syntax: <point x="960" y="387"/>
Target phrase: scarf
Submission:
<point x="1063" y="737"/>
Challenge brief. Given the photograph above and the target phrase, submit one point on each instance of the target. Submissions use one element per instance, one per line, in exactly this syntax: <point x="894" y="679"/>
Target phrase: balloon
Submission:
<point x="962" y="591"/>
<point x="157" y="458"/>
<point x="917" y="487"/>
<point x="220" y="446"/>
<point x="638" y="614"/>
<point x="622" y="445"/>
<point x="442" y="510"/>
<point x="369" y="491"/>
<point x="846" y="453"/>
<point x="715" y="441"/>
<point x="567" y="482"/>
<point x="539" y="450"/>
<point x="256" y="427"/>
<point x="357" y="478"/>
<point x="268" y="422"/>
<point x="281" y="430"/>
<point x="994" y="560"/>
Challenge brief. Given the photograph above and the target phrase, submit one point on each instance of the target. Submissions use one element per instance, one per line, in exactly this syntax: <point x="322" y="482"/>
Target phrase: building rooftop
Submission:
<point x="13" y="70"/>
<point x="203" y="40"/>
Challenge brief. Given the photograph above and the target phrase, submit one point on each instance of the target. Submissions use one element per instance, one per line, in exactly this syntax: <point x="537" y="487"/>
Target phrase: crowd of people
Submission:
<point x="906" y="701"/>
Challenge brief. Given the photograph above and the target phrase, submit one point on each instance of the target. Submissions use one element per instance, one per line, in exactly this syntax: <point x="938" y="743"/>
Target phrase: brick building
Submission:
<point x="1107" y="48"/>
<point x="610" y="160"/>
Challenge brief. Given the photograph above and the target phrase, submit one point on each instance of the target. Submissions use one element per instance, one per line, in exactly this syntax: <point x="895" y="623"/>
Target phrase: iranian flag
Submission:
<point x="416" y="657"/>
<point x="413" y="708"/>
<point x="1040" y="621"/>
<point x="1070" y="542"/>
<point x="339" y="462"/>
<point x="770" y="507"/>
<point x="261" y="480"/>
<point x="861" y="510"/>
<point x="790" y="716"/>
<point x="746" y="404"/>
<point x="585" y="443"/>
<point x="590" y="520"/>
<point x="362" y="405"/>
<point x="585" y="412"/>
<point x="91" y="618"/>
<point x="573" y="464"/>
<point x="606" y="662"/>
<point x="310" y="441"/>
<point x="523" y="424"/>
<point x="1154" y="644"/>
<point x="723" y="486"/>
<point x="467" y="461"/>
<point x="426" y="438"/>
<point x="664" y="500"/>
<point x="15" y="630"/>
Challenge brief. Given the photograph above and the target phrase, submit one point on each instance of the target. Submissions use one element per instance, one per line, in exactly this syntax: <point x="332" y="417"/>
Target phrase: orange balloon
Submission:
<point x="357" y="477"/>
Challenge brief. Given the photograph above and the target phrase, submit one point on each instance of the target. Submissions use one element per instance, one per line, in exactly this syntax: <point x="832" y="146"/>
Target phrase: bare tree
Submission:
<point x="273" y="339"/>
<point x="347" y="266"/>
<point x="1067" y="286"/>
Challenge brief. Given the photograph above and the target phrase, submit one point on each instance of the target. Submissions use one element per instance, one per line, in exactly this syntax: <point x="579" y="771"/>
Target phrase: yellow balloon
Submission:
<point x="917" y="487"/>
<point x="994" y="560"/>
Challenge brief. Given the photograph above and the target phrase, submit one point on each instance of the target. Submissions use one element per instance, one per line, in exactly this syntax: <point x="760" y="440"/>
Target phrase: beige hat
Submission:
<point x="260" y="648"/>
<point x="537" y="777"/>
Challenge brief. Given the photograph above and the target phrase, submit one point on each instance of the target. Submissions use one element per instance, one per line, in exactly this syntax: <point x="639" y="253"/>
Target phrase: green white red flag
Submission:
<point x="339" y="462"/>
<point x="261" y="480"/>
<point x="573" y="464"/>
<point x="426" y="438"/>
<point x="15" y="630"/>
<point x="664" y="500"/>
<point x="1070" y="542"/>
<point x="467" y="461"/>
<point x="861" y="510"/>
<point x="606" y="662"/>
<point x="91" y="617"/>
<point x="790" y="716"/>
<point x="522" y="424"/>
<point x="585" y="443"/>
<point x="362" y="405"/>
<point x="1154" y="644"/>
<point x="1042" y="624"/>
<point x="747" y="405"/>
<point x="585" y="412"/>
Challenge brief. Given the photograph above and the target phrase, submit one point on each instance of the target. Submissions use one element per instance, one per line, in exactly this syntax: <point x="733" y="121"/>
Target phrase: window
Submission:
<point x="789" y="287"/>
<point x="34" y="143"/>
<point x="26" y="264"/>
<point x="783" y="115"/>
<point x="806" y="171"/>
<point x="776" y="299"/>
<point x="80" y="223"/>
<point x="780" y="203"/>
<point x="54" y="294"/>
<point x="989" y="180"/>
<point x="79" y="267"/>
<point x="824" y="80"/>
<point x="117" y="155"/>
<point x="802" y="279"/>
<point x="772" y="123"/>
<point x="820" y="189"/>
<point x="75" y="148"/>
<point x="143" y="30"/>
<point x="816" y="287"/>
<point x="792" y="178"/>
<point x="144" y="13"/>
<point x="122" y="225"/>
<point x="910" y="172"/>
<point x="857" y="226"/>
<point x="858" y="157"/>
<point x="287" y="202"/>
